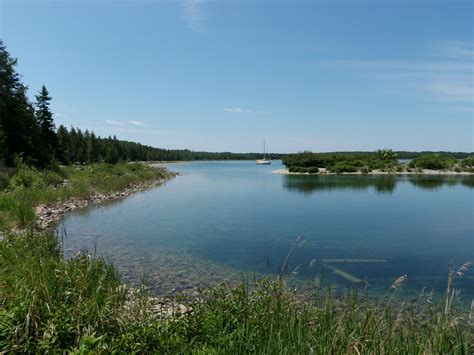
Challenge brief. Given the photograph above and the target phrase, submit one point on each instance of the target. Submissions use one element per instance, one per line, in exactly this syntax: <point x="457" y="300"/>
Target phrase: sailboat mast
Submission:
<point x="263" y="149"/>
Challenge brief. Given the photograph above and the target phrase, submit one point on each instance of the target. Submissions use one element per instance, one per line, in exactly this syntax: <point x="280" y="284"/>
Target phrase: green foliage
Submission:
<point x="29" y="187"/>
<point x="343" y="167"/>
<point x="18" y="127"/>
<point x="51" y="303"/>
<point x="26" y="177"/>
<point x="47" y="139"/>
<point x="468" y="162"/>
<point x="312" y="170"/>
<point x="434" y="162"/>
<point x="386" y="154"/>
<point x="4" y="181"/>
<point x="342" y="162"/>
<point x="383" y="160"/>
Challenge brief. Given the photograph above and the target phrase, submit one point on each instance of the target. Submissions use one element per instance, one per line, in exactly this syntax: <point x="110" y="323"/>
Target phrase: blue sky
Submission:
<point x="223" y="75"/>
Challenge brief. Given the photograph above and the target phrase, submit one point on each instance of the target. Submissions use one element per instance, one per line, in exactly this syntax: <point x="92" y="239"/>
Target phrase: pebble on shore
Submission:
<point x="47" y="215"/>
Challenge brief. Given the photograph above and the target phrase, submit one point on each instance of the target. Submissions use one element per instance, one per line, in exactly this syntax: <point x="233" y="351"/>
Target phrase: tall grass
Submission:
<point x="28" y="187"/>
<point x="51" y="304"/>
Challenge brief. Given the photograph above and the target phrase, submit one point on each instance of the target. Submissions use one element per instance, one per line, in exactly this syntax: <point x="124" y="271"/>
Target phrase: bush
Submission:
<point x="434" y="161"/>
<point x="4" y="181"/>
<point x="468" y="162"/>
<point x="26" y="177"/>
<point x="297" y="169"/>
<point x="343" y="167"/>
<point x="313" y="170"/>
<point x="51" y="178"/>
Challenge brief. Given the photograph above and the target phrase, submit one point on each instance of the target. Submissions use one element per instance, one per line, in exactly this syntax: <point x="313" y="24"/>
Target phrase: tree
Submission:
<point x="17" y="119"/>
<point x="112" y="156"/>
<point x="386" y="154"/>
<point x="63" y="151"/>
<point x="47" y="136"/>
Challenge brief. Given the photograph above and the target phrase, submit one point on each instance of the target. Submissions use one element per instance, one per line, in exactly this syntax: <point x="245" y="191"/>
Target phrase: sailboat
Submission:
<point x="263" y="161"/>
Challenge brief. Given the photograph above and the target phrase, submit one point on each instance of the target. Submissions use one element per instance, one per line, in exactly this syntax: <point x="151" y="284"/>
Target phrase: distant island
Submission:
<point x="383" y="161"/>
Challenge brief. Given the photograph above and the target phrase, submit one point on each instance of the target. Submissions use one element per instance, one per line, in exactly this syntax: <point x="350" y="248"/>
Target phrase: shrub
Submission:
<point x="343" y="167"/>
<point x="26" y="177"/>
<point x="313" y="170"/>
<point x="297" y="169"/>
<point x="51" y="178"/>
<point x="468" y="162"/>
<point x="434" y="161"/>
<point x="4" y="181"/>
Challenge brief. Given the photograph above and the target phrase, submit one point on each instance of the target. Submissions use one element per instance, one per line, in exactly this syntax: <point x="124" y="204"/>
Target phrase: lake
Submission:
<point x="230" y="220"/>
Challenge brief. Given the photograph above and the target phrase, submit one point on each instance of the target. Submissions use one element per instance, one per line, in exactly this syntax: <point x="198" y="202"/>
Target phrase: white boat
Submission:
<point x="263" y="161"/>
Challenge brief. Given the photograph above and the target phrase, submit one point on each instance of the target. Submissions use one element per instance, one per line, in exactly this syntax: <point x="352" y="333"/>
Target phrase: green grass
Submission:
<point x="49" y="304"/>
<point x="28" y="187"/>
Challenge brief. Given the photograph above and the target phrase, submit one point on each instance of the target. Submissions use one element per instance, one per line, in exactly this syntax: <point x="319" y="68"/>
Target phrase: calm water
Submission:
<point x="228" y="220"/>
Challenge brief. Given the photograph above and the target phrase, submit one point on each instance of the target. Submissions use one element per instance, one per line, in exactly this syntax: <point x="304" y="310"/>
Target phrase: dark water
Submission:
<point x="228" y="220"/>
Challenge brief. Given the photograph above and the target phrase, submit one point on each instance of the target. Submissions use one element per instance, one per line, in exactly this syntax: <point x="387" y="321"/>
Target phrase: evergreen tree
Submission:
<point x="63" y="152"/>
<point x="47" y="136"/>
<point x="17" y="119"/>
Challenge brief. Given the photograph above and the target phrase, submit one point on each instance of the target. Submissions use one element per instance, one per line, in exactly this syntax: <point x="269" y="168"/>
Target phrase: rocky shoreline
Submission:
<point x="48" y="215"/>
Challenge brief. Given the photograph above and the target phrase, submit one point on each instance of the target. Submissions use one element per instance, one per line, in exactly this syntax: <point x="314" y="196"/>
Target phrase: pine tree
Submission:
<point x="16" y="113"/>
<point x="47" y="136"/>
<point x="63" y="151"/>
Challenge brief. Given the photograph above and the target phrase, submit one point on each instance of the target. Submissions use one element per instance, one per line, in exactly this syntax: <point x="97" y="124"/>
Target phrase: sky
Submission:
<point x="225" y="75"/>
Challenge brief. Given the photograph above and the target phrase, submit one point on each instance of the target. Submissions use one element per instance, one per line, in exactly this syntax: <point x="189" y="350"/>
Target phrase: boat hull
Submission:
<point x="263" y="162"/>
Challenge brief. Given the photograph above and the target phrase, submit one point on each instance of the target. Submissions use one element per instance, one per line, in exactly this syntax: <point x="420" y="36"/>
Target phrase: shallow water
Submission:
<point x="230" y="220"/>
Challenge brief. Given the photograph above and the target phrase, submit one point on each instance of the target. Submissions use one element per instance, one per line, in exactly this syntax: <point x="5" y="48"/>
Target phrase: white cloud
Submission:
<point x="238" y="110"/>
<point x="454" y="49"/>
<point x="125" y="123"/>
<point x="139" y="131"/>
<point x="452" y="92"/>
<point x="192" y="15"/>
<point x="447" y="78"/>
<point x="116" y="123"/>
<point x="61" y="115"/>
<point x="136" y="123"/>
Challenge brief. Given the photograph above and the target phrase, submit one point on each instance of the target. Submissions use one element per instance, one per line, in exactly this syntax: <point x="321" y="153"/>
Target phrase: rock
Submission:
<point x="49" y="214"/>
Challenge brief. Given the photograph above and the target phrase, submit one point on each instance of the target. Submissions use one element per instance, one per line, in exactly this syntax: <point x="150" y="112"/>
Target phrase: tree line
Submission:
<point x="77" y="146"/>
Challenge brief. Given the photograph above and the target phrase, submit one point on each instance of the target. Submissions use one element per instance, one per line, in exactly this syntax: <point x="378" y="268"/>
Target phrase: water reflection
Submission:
<point x="428" y="182"/>
<point x="310" y="184"/>
<point x="380" y="183"/>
